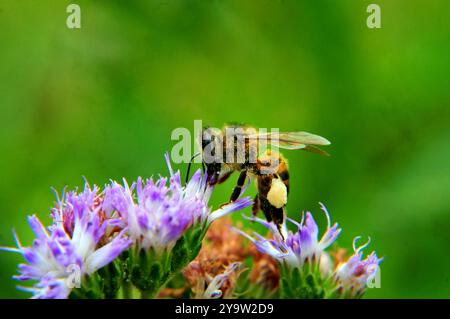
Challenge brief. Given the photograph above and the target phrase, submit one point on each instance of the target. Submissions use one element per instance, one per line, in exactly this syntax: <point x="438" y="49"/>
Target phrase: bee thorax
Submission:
<point x="277" y="195"/>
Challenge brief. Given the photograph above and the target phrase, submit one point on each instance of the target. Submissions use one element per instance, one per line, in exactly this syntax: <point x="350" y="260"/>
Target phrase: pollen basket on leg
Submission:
<point x="277" y="195"/>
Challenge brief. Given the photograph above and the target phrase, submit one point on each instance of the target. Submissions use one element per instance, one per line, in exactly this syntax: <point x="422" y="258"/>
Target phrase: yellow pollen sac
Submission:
<point x="277" y="195"/>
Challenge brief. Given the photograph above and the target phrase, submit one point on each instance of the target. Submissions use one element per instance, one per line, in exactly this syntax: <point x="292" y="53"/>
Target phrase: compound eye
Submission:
<point x="206" y="138"/>
<point x="205" y="142"/>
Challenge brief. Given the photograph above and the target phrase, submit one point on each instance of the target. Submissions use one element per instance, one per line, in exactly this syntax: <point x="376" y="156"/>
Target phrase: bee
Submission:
<point x="238" y="148"/>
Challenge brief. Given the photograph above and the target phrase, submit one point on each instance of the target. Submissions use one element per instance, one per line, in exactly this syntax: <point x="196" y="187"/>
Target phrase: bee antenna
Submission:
<point x="189" y="167"/>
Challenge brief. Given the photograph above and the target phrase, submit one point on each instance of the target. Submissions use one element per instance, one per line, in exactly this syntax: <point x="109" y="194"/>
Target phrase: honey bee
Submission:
<point x="243" y="149"/>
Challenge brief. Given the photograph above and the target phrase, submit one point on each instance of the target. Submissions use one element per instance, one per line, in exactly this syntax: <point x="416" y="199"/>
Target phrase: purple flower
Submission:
<point x="298" y="247"/>
<point x="159" y="212"/>
<point x="81" y="239"/>
<point x="49" y="288"/>
<point x="91" y="229"/>
<point x="357" y="273"/>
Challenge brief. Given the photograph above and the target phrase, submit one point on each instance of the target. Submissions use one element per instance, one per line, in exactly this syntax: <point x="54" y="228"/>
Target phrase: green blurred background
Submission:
<point x="101" y="102"/>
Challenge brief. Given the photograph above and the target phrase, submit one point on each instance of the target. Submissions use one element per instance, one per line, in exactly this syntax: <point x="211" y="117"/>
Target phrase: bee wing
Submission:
<point x="294" y="140"/>
<point x="314" y="149"/>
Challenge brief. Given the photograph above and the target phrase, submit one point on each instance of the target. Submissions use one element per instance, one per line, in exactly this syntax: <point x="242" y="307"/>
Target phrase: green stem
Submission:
<point x="127" y="292"/>
<point x="149" y="294"/>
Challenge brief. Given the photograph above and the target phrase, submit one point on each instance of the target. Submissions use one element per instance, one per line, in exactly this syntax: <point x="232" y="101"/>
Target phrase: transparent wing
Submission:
<point x="293" y="140"/>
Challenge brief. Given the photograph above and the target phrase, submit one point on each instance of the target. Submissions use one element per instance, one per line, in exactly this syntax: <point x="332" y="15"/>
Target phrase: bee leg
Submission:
<point x="278" y="215"/>
<point x="212" y="175"/>
<point x="266" y="208"/>
<point x="273" y="214"/>
<point x="237" y="189"/>
<point x="280" y="232"/>
<point x="224" y="177"/>
<point x="255" y="207"/>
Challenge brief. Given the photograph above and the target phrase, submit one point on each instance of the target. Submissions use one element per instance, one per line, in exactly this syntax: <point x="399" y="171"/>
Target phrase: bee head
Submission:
<point x="206" y="137"/>
<point x="210" y="139"/>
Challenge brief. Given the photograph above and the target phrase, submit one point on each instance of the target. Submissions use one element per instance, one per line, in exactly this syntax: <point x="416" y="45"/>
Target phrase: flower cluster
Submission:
<point x="302" y="254"/>
<point x="298" y="247"/>
<point x="91" y="229"/>
<point x="162" y="212"/>
<point x="221" y="257"/>
<point x="258" y="274"/>
<point x="356" y="273"/>
<point x="80" y="241"/>
<point x="146" y="239"/>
